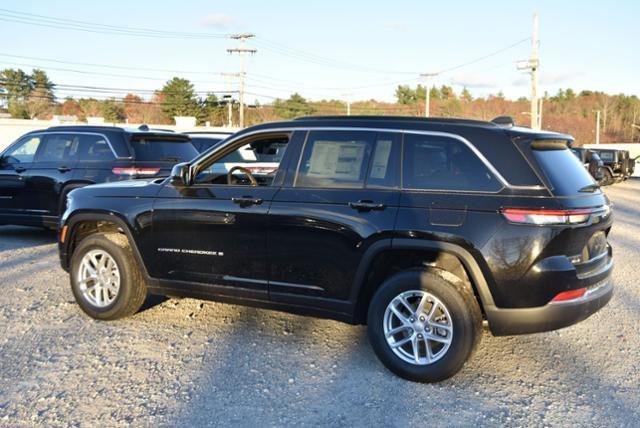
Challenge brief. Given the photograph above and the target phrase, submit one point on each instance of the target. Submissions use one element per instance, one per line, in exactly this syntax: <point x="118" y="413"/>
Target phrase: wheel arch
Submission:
<point x="441" y="256"/>
<point x="97" y="222"/>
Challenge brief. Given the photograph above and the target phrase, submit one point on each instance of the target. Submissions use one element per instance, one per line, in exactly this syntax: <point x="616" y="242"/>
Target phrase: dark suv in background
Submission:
<point x="42" y="167"/>
<point x="419" y="228"/>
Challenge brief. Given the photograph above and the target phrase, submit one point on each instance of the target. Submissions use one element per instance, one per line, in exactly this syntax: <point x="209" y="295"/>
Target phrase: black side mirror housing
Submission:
<point x="181" y="174"/>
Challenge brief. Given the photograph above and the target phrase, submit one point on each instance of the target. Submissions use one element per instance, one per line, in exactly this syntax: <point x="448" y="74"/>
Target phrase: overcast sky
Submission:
<point x="330" y="49"/>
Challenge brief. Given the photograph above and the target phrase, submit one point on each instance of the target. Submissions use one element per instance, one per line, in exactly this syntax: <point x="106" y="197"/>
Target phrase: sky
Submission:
<point x="354" y="50"/>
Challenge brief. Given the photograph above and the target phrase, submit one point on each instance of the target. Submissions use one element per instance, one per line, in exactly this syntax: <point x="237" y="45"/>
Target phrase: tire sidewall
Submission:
<point x="464" y="328"/>
<point x="121" y="257"/>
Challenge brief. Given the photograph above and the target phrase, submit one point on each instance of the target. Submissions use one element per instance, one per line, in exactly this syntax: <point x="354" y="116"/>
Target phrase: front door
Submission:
<point x="16" y="195"/>
<point x="342" y="199"/>
<point x="211" y="235"/>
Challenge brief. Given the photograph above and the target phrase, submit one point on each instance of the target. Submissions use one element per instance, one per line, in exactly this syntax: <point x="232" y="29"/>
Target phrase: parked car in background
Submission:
<point x="203" y="141"/>
<point x="419" y="228"/>
<point x="39" y="169"/>
<point x="591" y="162"/>
<point x="615" y="167"/>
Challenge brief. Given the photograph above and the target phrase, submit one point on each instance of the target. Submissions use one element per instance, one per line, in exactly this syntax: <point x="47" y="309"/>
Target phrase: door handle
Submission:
<point x="20" y="169"/>
<point x="246" y="201"/>
<point x="64" y="169"/>
<point x="364" y="206"/>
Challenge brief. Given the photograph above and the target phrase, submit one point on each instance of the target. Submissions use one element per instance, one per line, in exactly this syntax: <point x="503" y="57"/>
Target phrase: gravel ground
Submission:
<point x="201" y="363"/>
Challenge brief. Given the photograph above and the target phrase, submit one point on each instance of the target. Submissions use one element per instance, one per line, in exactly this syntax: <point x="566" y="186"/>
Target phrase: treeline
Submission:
<point x="31" y="95"/>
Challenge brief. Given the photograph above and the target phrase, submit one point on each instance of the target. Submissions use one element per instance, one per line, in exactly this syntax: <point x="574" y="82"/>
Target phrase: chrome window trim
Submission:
<point x="115" y="156"/>
<point x="473" y="148"/>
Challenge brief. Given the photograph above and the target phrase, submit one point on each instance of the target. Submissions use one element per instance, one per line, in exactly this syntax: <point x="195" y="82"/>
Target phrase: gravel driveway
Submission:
<point x="199" y="363"/>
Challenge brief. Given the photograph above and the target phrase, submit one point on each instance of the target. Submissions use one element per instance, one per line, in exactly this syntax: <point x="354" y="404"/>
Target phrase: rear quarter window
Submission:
<point x="564" y="171"/>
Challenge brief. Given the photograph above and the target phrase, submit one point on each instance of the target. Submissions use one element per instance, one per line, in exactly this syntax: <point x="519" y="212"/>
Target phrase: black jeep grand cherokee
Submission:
<point x="419" y="228"/>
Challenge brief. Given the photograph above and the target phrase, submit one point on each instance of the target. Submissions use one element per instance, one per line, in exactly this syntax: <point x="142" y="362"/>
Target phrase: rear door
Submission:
<point x="52" y="170"/>
<point x="15" y="167"/>
<point x="340" y="198"/>
<point x="95" y="159"/>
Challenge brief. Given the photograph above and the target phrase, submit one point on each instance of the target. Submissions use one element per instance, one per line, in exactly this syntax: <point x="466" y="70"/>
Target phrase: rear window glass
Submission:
<point x="606" y="156"/>
<point x="163" y="150"/>
<point x="565" y="172"/>
<point x="442" y="163"/>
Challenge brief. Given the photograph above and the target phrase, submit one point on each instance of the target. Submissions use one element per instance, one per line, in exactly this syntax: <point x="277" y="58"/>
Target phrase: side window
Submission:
<point x="94" y="148"/>
<point x="337" y="159"/>
<point x="24" y="151"/>
<point x="442" y="163"/>
<point x="384" y="168"/>
<point x="260" y="157"/>
<point x="58" y="148"/>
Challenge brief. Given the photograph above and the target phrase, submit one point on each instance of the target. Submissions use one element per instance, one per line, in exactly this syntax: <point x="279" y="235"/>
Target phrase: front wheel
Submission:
<point x="423" y="327"/>
<point x="105" y="278"/>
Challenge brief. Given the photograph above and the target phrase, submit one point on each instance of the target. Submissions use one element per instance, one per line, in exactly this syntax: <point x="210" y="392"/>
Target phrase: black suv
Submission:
<point x="42" y="167"/>
<point x="419" y="228"/>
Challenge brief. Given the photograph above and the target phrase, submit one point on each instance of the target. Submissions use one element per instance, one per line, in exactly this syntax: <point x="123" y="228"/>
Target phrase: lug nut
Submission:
<point x="421" y="318"/>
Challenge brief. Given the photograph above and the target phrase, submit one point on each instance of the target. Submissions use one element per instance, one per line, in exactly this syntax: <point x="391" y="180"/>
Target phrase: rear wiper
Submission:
<point x="168" y="159"/>
<point x="589" y="188"/>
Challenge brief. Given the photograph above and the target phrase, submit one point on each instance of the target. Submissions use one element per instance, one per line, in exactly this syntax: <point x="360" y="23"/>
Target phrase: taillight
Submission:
<point x="546" y="217"/>
<point x="133" y="172"/>
<point x="570" y="295"/>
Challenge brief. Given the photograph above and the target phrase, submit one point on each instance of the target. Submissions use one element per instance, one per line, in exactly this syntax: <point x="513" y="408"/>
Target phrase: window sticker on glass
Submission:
<point x="381" y="159"/>
<point x="338" y="160"/>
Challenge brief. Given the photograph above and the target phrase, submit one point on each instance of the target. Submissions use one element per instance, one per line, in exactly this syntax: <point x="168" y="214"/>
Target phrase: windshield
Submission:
<point x="565" y="172"/>
<point x="163" y="150"/>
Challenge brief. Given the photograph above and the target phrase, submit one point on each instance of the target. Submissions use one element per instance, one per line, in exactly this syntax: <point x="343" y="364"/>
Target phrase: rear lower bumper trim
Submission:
<point x="552" y="316"/>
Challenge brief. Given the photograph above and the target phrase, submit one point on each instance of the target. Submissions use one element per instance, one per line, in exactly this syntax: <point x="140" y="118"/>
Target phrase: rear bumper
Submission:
<point x="552" y="316"/>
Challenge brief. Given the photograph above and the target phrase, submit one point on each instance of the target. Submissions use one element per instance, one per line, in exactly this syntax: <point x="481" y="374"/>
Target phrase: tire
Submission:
<point x="132" y="290"/>
<point x="465" y="324"/>
<point x="607" y="178"/>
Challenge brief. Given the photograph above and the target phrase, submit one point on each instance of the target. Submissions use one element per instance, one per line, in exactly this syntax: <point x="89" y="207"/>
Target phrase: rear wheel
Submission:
<point x="607" y="178"/>
<point x="423" y="327"/>
<point x="105" y="278"/>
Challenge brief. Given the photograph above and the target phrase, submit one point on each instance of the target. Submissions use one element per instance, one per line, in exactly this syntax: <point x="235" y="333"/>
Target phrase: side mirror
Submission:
<point x="181" y="174"/>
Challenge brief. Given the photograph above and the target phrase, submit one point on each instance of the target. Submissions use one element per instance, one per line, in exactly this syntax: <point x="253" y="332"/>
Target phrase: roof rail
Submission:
<point x="452" y="120"/>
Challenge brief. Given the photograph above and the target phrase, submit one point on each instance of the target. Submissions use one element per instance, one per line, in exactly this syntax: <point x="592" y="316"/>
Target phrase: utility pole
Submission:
<point x="347" y="98"/>
<point x="532" y="66"/>
<point x="229" y="97"/>
<point x="597" y="126"/>
<point x="241" y="50"/>
<point x="427" y="94"/>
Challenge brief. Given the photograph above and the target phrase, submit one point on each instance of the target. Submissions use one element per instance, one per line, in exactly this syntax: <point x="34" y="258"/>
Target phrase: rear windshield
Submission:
<point x="146" y="150"/>
<point x="606" y="156"/>
<point x="564" y="171"/>
<point x="204" y="143"/>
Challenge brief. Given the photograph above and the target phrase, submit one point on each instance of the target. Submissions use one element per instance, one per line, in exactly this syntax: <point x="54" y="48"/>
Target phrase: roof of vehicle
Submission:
<point x="107" y="128"/>
<point x="438" y="124"/>
<point x="205" y="133"/>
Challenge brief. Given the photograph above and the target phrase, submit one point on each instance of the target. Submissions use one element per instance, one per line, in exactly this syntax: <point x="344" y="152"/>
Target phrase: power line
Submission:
<point x="119" y="67"/>
<point x="93" y="27"/>
<point x="96" y="73"/>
